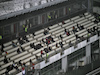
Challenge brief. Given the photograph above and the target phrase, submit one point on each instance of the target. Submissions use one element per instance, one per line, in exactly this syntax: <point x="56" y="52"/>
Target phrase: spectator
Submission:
<point x="18" y="51"/>
<point x="6" y="73"/>
<point x="82" y="38"/>
<point x="6" y="52"/>
<point x="43" y="41"/>
<point x="20" y="62"/>
<point x="61" y="44"/>
<point x="24" y="63"/>
<point x="0" y="66"/>
<point x="96" y="21"/>
<point x="38" y="46"/>
<point x="89" y="31"/>
<point x="82" y="27"/>
<point x="77" y="36"/>
<point x="50" y="49"/>
<point x="94" y="29"/>
<point x="63" y="22"/>
<point x="61" y="36"/>
<point x="52" y="39"/>
<point x="14" y="44"/>
<point x="65" y="30"/>
<point x="36" y="57"/>
<point x="57" y="45"/>
<point x="2" y="46"/>
<point x="32" y="45"/>
<point x="45" y="32"/>
<point x="5" y="60"/>
<point x="46" y="50"/>
<point x="21" y="42"/>
<point x="74" y="30"/>
<point x="30" y="61"/>
<point x="78" y="26"/>
<point x="33" y="34"/>
<point x="42" y="53"/>
<point x="48" y="28"/>
<point x="22" y="49"/>
<point x="70" y="44"/>
<point x="67" y="33"/>
<point x="25" y="38"/>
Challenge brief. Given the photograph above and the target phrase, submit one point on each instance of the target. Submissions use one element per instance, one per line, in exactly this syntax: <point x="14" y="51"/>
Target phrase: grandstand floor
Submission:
<point x="55" y="31"/>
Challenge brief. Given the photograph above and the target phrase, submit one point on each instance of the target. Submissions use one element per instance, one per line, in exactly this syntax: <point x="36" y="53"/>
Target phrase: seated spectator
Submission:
<point x="50" y="38"/>
<point x="48" y="28"/>
<point x="45" y="32"/>
<point x="14" y="44"/>
<point x="22" y="49"/>
<point x="6" y="52"/>
<point x="25" y="38"/>
<point x="61" y="36"/>
<point x="36" y="57"/>
<point x="43" y="41"/>
<point x="67" y="33"/>
<point x="48" y="41"/>
<point x="32" y="45"/>
<point x="57" y="45"/>
<point x="6" y="73"/>
<point x="63" y="22"/>
<point x="16" y="67"/>
<point x="20" y="62"/>
<point x="2" y="46"/>
<point x="82" y="27"/>
<point x="65" y="30"/>
<point x="5" y="60"/>
<point x="74" y="30"/>
<point x="18" y="38"/>
<point x="38" y="46"/>
<point x="42" y="53"/>
<point x="89" y="31"/>
<point x="30" y="61"/>
<point x="50" y="49"/>
<point x="96" y="21"/>
<point x="33" y="34"/>
<point x="61" y="44"/>
<point x="8" y="68"/>
<point x="77" y="37"/>
<point x="78" y="27"/>
<point x="94" y="29"/>
<point x="82" y="38"/>
<point x="46" y="50"/>
<point x="70" y="44"/>
<point x="21" y="42"/>
<point x="18" y="51"/>
<point x="24" y="64"/>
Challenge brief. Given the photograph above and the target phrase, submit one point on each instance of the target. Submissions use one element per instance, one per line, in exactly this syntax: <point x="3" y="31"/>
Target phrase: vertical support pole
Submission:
<point x="64" y="64"/>
<point x="90" y="6"/>
<point x="88" y="54"/>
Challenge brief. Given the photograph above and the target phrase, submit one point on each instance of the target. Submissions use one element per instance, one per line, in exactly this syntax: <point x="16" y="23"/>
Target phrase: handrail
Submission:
<point x="94" y="72"/>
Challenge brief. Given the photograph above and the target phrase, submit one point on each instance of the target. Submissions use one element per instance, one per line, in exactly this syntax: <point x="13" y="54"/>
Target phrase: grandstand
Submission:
<point x="62" y="56"/>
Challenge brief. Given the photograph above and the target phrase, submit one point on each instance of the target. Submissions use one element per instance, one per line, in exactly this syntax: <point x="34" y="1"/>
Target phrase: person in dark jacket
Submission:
<point x="32" y="45"/>
<point x="18" y="51"/>
<point x="22" y="49"/>
<point x="2" y="47"/>
<point x="14" y="44"/>
<point x="25" y="38"/>
<point x="46" y="32"/>
<point x="5" y="60"/>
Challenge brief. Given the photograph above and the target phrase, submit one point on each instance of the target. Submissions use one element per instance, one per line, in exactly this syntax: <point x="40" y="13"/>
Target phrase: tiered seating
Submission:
<point x="55" y="31"/>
